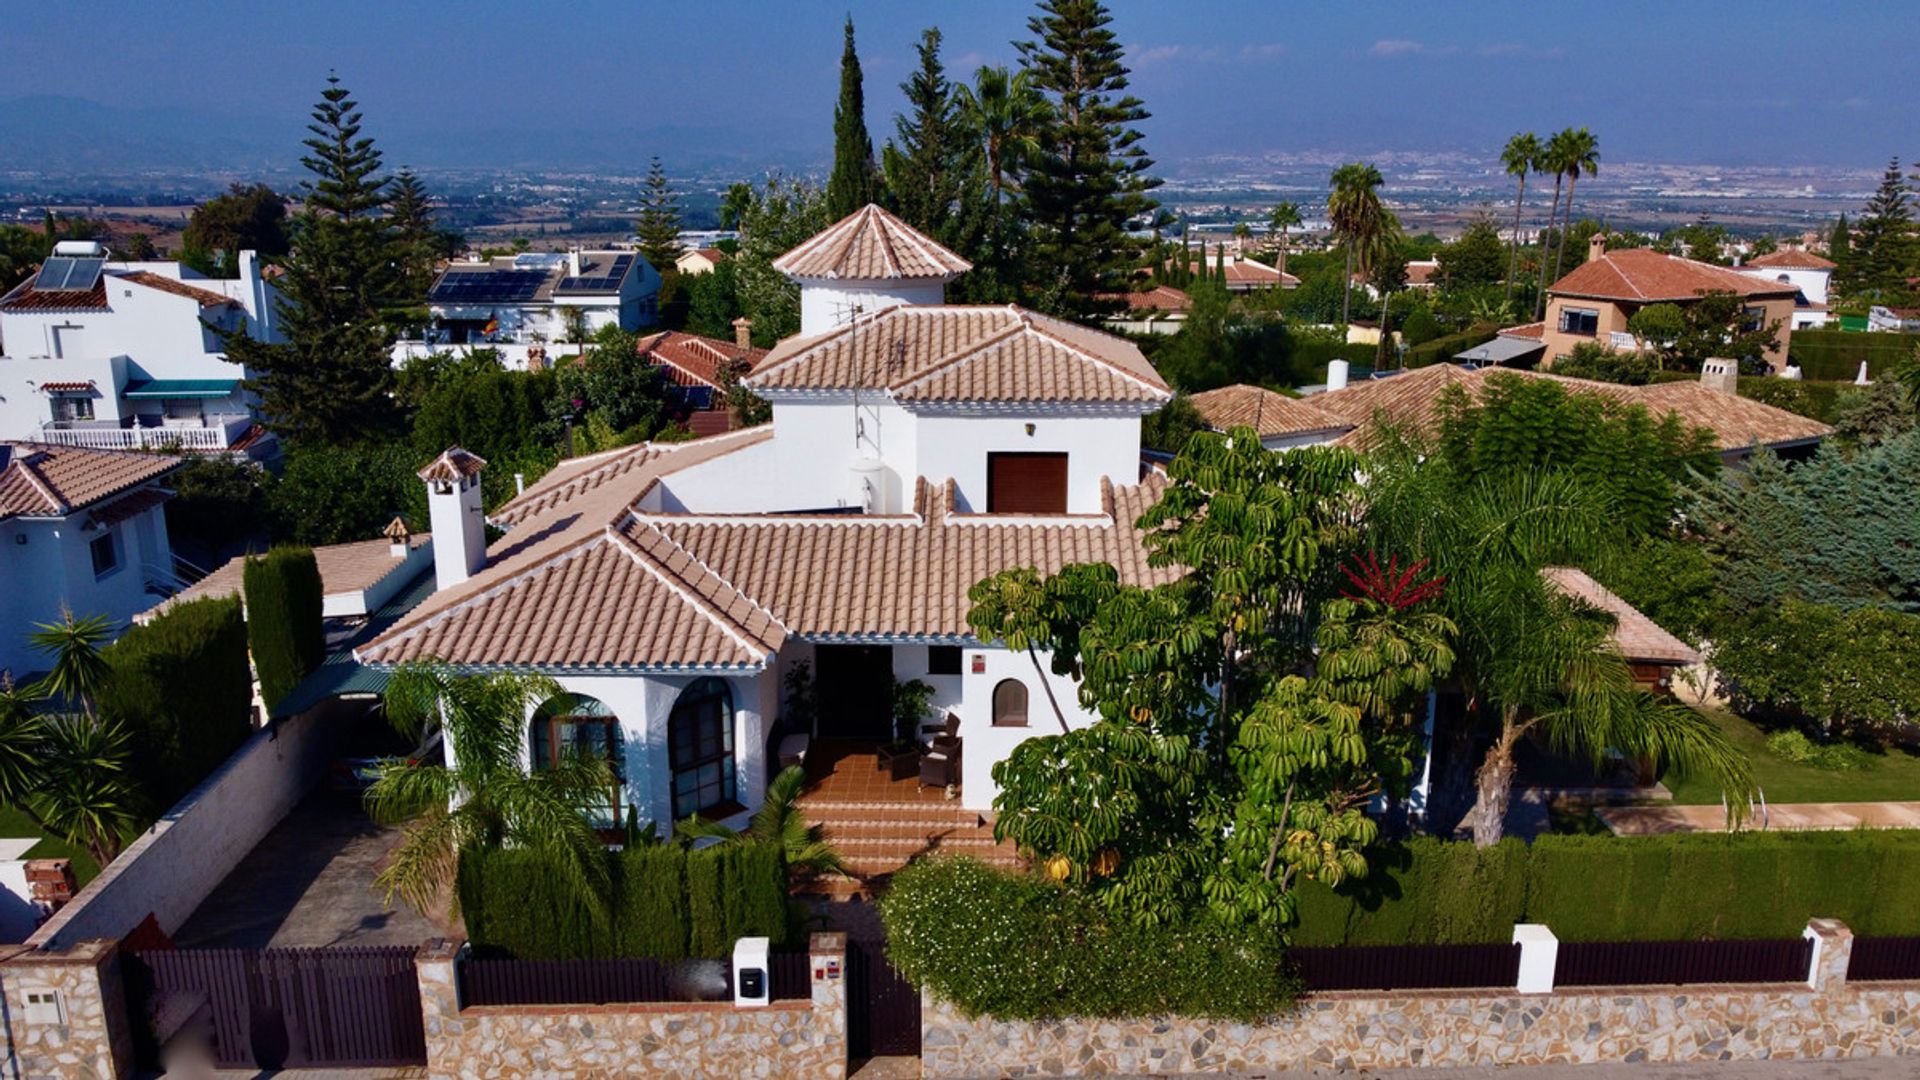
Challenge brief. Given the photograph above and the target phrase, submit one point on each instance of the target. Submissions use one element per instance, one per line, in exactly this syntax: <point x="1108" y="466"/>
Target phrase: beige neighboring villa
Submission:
<point x="1594" y="302"/>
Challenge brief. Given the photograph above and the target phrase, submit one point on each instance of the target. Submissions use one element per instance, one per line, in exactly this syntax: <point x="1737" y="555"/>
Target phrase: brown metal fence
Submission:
<point x="1407" y="967"/>
<point x="343" y="1006"/>
<point x="1885" y="958"/>
<point x="625" y="981"/>
<point x="1661" y="963"/>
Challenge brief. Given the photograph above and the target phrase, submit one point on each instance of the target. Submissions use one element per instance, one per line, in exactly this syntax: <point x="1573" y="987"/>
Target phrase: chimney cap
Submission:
<point x="1597" y="244"/>
<point x="453" y="464"/>
<point x="397" y="531"/>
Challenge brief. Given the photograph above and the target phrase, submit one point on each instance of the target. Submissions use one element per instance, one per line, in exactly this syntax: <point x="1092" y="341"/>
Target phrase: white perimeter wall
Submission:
<point x="982" y="743"/>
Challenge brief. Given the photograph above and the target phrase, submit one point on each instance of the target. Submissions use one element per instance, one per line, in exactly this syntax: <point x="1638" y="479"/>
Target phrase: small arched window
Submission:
<point x="575" y="725"/>
<point x="700" y="748"/>
<point x="1010" y="703"/>
<point x="1785" y="278"/>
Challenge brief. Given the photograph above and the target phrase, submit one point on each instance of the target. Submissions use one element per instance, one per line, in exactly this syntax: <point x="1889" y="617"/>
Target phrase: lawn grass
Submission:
<point x="1892" y="777"/>
<point x="15" y="823"/>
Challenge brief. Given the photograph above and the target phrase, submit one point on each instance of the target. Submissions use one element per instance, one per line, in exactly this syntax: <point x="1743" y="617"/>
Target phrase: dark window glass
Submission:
<point x="943" y="659"/>
<point x="1583" y="321"/>
<point x="105" y="557"/>
<point x="1010" y="704"/>
<point x="700" y="748"/>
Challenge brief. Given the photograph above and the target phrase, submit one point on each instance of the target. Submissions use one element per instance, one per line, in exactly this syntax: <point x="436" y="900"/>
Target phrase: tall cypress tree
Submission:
<point x="1090" y="176"/>
<point x="1840" y="245"/>
<point x="659" y="223"/>
<point x="855" y="181"/>
<point x="925" y="164"/>
<point x="330" y="381"/>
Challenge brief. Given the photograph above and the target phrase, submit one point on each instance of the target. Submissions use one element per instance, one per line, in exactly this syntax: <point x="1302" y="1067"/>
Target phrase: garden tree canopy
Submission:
<point x="1475" y="258"/>
<point x="1883" y="252"/>
<point x="330" y="380"/>
<point x="659" y="224"/>
<point x="777" y="217"/>
<point x="855" y="180"/>
<point x="418" y="246"/>
<point x="1087" y="178"/>
<point x="338" y="494"/>
<point x="1862" y="416"/>
<point x="1220" y="344"/>
<point x="614" y="383"/>
<point x="1853" y="673"/>
<point x="248" y="217"/>
<point x="1217" y="773"/>
<point x="933" y="177"/>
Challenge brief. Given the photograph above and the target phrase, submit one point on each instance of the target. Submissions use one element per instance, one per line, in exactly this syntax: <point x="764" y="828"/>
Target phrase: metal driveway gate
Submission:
<point x="883" y="1008"/>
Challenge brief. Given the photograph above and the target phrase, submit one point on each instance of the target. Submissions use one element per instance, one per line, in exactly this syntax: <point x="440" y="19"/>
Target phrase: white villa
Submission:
<point x="916" y="447"/>
<point x="1803" y="270"/>
<point x="528" y="306"/>
<point x="124" y="355"/>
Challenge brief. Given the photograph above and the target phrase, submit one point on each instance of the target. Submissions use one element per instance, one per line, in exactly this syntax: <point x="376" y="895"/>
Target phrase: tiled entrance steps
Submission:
<point x="876" y="838"/>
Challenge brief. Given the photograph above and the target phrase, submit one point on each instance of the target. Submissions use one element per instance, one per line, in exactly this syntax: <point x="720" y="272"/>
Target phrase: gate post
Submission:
<point x="827" y="956"/>
<point x="1832" y="954"/>
<point x="440" y="1022"/>
<point x="66" y="1012"/>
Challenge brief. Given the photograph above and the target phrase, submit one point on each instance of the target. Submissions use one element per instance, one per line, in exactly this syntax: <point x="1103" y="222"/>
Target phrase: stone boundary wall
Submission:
<point x="509" y="1042"/>
<point x="1822" y="1018"/>
<point x="66" y="1013"/>
<point x="181" y="858"/>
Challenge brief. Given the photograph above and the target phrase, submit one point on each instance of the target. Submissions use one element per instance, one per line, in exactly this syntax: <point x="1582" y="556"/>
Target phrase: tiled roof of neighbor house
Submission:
<point x="43" y="480"/>
<point x="1791" y="259"/>
<point x="206" y="297"/>
<point x="1158" y="298"/>
<point x="1246" y="272"/>
<point x="453" y="464"/>
<point x="344" y="568"/>
<point x="1421" y="272"/>
<point x="1411" y="400"/>
<point x="1636" y="636"/>
<point x="712" y="254"/>
<point x="1535" y="330"/>
<point x="952" y="353"/>
<point x="24" y="297"/>
<point x="692" y="359"/>
<point x="871" y="245"/>
<point x="1642" y="275"/>
<point x="1265" y="411"/>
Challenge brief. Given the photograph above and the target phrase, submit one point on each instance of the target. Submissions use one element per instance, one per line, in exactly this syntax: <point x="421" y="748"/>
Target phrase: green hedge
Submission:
<point x="1019" y="948"/>
<point x="1443" y="349"/>
<point x="667" y="903"/>
<point x="1836" y="354"/>
<point x="1607" y="888"/>
<point x="1307" y="361"/>
<point x="284" y="602"/>
<point x="182" y="689"/>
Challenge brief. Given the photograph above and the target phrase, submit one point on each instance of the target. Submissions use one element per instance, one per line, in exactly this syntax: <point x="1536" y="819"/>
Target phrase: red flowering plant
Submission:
<point x="1390" y="586"/>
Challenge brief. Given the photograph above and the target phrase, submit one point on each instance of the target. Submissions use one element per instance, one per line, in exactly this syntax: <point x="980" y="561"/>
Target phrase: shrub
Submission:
<point x="182" y="690"/>
<point x="1794" y="746"/>
<point x="1847" y="672"/>
<point x="993" y="943"/>
<point x="1442" y="350"/>
<point x="337" y="494"/>
<point x="1424" y="890"/>
<point x="284" y="600"/>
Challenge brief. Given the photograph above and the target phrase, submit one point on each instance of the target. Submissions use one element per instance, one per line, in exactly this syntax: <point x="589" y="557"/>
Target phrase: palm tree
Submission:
<point x="485" y="799"/>
<point x="1581" y="155"/>
<point x="1521" y="157"/>
<point x="1357" y="216"/>
<point x="1005" y="112"/>
<point x="779" y="821"/>
<point x="80" y="669"/>
<point x="83" y="792"/>
<point x="1285" y="216"/>
<point x="1534" y="662"/>
<point x="1553" y="159"/>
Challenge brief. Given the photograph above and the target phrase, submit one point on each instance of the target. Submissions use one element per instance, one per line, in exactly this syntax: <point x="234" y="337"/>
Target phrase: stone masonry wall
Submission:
<point x="786" y="1039"/>
<point x="82" y="1033"/>
<point x="1824" y="1018"/>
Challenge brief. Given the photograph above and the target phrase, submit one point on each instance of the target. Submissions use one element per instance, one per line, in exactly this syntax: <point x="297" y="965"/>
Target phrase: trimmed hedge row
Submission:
<point x="284" y="603"/>
<point x="666" y="903"/>
<point x="1443" y="349"/>
<point x="1607" y="888"/>
<point x="1836" y="354"/>
<point x="1019" y="948"/>
<point x="182" y="689"/>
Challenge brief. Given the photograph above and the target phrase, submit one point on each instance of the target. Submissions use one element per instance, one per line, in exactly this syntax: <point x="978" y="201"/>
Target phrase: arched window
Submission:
<point x="1010" y="704"/>
<point x="700" y="748"/>
<point x="575" y="725"/>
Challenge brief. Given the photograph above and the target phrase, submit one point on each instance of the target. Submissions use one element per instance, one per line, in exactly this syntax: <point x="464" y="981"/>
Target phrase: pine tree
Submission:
<point x="1089" y="177"/>
<point x="659" y="223"/>
<point x="417" y="245"/>
<point x="926" y="167"/>
<point x="330" y="380"/>
<point x="855" y="181"/>
<point x="1883" y="240"/>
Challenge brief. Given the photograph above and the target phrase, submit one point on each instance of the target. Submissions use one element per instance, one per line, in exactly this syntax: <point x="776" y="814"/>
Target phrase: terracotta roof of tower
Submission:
<point x="44" y="480"/>
<point x="693" y="359"/>
<point x="1636" y="636"/>
<point x="1642" y="275"/>
<point x="871" y="245"/>
<point x="1265" y="411"/>
<point x="1791" y="259"/>
<point x="933" y="353"/>
<point x="453" y="464"/>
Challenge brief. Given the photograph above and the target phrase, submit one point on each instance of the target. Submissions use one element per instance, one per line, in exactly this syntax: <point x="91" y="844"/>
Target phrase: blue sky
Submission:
<point x="1761" y="81"/>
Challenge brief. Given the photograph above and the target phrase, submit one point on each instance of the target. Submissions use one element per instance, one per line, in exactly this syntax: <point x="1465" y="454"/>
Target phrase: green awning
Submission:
<point x="182" y="388"/>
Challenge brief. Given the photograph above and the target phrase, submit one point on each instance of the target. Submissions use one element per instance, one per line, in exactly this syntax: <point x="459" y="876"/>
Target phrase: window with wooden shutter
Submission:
<point x="1025" y="483"/>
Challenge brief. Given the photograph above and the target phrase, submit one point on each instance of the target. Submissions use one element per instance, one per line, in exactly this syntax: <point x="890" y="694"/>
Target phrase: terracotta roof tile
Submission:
<point x="1642" y="275"/>
<point x="344" y="568"/>
<point x="25" y="297"/>
<point x="453" y="464"/>
<point x="1265" y="411"/>
<point x="692" y="359"/>
<point x="206" y="297"/>
<point x="1636" y="636"/>
<point x="871" y="245"/>
<point x="43" y="480"/>
<point x="1536" y="331"/>
<point x="1789" y="259"/>
<point x="1158" y="298"/>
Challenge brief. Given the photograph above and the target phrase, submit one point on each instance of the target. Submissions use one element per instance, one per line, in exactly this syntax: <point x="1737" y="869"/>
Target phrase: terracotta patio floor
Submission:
<point x="845" y="771"/>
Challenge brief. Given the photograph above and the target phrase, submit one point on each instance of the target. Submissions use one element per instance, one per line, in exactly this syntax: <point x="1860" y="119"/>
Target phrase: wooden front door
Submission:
<point x="854" y="687"/>
<point x="1023" y="483"/>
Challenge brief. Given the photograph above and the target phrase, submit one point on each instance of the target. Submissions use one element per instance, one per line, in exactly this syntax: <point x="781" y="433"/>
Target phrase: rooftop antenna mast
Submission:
<point x="847" y="313"/>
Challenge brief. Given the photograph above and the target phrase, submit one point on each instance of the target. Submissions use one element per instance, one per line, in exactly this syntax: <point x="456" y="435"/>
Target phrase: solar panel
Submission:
<point x="65" y="273"/>
<point x="607" y="282"/>
<point x="487" y="286"/>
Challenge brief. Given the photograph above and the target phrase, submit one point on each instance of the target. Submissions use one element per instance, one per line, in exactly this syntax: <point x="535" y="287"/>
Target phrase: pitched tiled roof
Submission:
<point x="1642" y="275"/>
<point x="1636" y="636"/>
<point x="578" y="478"/>
<point x="871" y="245"/>
<point x="1790" y="259"/>
<point x="24" y="297"/>
<point x="1265" y="411"/>
<point x="206" y="297"/>
<point x="1534" y="330"/>
<point x="1411" y="400"/>
<point x="1158" y="298"/>
<point x="952" y="353"/>
<point x="1423" y="272"/>
<point x="43" y="480"/>
<point x="453" y="464"/>
<point x="1245" y="271"/>
<point x="344" y="568"/>
<point x="692" y="359"/>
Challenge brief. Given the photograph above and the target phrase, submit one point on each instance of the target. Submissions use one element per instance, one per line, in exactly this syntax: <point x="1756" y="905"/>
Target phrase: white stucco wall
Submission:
<point x="54" y="568"/>
<point x="984" y="744"/>
<point x="957" y="445"/>
<point x="830" y="303"/>
<point x="808" y="463"/>
<point x="1809" y="281"/>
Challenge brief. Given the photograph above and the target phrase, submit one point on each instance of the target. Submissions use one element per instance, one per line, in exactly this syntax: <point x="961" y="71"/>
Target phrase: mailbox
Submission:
<point x="751" y="978"/>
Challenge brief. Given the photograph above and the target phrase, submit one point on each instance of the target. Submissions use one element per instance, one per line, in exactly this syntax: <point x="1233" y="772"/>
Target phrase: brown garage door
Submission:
<point x="1026" y="483"/>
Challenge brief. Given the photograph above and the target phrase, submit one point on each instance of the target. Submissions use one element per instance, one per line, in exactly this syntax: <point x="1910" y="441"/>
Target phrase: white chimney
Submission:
<point x="1336" y="375"/>
<point x="399" y="538"/>
<point x="573" y="263"/>
<point x="453" y="510"/>
<point x="1721" y="375"/>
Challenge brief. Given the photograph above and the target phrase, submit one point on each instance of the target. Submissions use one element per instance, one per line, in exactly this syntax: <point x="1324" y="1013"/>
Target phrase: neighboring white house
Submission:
<point x="695" y="261"/>
<point x="80" y="530"/>
<point x="1806" y="272"/>
<point x="914" y="450"/>
<point x="125" y="355"/>
<point x="530" y="306"/>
